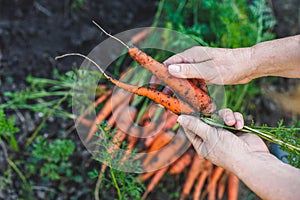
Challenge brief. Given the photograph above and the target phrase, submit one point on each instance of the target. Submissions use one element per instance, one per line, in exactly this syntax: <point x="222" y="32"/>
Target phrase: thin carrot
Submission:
<point x="154" y="181"/>
<point x="170" y="122"/>
<point x="180" y="164"/>
<point x="196" y="168"/>
<point x="146" y="176"/>
<point x="221" y="186"/>
<point x="131" y="142"/>
<point x="85" y="122"/>
<point x="168" y="154"/>
<point x="194" y="95"/>
<point x="160" y="141"/>
<point x="233" y="187"/>
<point x="124" y="123"/>
<point x="140" y="36"/>
<point x="171" y="103"/>
<point x="201" y="180"/>
<point x="112" y="103"/>
<point x="216" y="174"/>
<point x="99" y="100"/>
<point x="115" y="113"/>
<point x="212" y="192"/>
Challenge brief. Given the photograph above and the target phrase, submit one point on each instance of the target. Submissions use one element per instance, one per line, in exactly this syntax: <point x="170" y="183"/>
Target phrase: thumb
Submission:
<point x="195" y="125"/>
<point x="202" y="70"/>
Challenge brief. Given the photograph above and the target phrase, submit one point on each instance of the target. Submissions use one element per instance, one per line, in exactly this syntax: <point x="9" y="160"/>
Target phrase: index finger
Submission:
<point x="192" y="55"/>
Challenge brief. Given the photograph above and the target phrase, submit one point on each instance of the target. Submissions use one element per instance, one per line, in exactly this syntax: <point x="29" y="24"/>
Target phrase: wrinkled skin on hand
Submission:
<point x="218" y="145"/>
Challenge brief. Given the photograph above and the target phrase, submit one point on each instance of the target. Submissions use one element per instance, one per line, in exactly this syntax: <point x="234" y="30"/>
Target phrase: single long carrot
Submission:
<point x="154" y="181"/>
<point x="144" y="177"/>
<point x="196" y="168"/>
<point x="180" y="164"/>
<point x="119" y="97"/>
<point x="98" y="101"/>
<point x="201" y="180"/>
<point x="212" y="192"/>
<point x="221" y="186"/>
<point x="194" y="95"/>
<point x="85" y="122"/>
<point x="170" y="122"/>
<point x="216" y="175"/>
<point x="171" y="103"/>
<point x="115" y="113"/>
<point x="233" y="187"/>
<point x="140" y="36"/>
<point x="168" y="154"/>
<point x="160" y="141"/>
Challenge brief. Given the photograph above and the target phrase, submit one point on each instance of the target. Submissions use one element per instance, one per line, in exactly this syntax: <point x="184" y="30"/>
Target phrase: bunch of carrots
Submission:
<point x="191" y="97"/>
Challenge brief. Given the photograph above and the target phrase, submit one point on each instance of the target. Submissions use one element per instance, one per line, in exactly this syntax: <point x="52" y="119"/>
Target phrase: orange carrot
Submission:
<point x="233" y="187"/>
<point x="216" y="174"/>
<point x="114" y="101"/>
<point x="85" y="122"/>
<point x="155" y="180"/>
<point x="167" y="101"/>
<point x="221" y="186"/>
<point x="124" y="123"/>
<point x="195" y="96"/>
<point x="171" y="103"/>
<point x="185" y="89"/>
<point x="160" y="141"/>
<point x="99" y="100"/>
<point x="167" y="155"/>
<point x="199" y="185"/>
<point x="212" y="192"/>
<point x="140" y="36"/>
<point x="196" y="168"/>
<point x="181" y="163"/>
<point x="131" y="142"/>
<point x="170" y="122"/>
<point x="201" y="180"/>
<point x="115" y="113"/>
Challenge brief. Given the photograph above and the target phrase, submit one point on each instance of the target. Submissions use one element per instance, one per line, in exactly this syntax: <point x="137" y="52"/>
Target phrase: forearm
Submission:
<point x="268" y="177"/>
<point x="279" y="57"/>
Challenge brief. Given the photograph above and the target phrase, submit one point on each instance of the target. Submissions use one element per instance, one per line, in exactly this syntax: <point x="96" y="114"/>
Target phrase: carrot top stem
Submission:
<point x="123" y="43"/>
<point x="89" y="59"/>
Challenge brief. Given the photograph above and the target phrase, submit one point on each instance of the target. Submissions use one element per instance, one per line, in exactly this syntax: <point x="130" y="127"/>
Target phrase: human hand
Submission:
<point x="220" y="146"/>
<point x="214" y="65"/>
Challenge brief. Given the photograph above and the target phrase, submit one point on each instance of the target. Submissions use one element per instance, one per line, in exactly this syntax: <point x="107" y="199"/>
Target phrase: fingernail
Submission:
<point x="174" y="68"/>
<point x="229" y="119"/>
<point x="182" y="120"/>
<point x="239" y="125"/>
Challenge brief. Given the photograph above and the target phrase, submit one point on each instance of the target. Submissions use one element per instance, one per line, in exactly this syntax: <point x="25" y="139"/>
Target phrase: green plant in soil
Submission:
<point x="7" y="130"/>
<point x="50" y="159"/>
<point x="126" y="185"/>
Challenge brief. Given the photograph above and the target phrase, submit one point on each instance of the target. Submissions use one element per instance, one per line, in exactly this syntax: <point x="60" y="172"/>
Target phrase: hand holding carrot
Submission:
<point x="214" y="65"/>
<point x="220" y="146"/>
<point x="223" y="66"/>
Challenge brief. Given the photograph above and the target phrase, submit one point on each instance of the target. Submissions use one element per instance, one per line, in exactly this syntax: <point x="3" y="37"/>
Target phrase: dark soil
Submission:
<point x="33" y="32"/>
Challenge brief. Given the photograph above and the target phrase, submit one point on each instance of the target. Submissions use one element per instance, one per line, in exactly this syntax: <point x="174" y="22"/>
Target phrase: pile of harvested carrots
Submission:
<point x="191" y="97"/>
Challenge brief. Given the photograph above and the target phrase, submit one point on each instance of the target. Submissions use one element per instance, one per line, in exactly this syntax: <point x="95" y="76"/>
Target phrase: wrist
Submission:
<point x="261" y="65"/>
<point x="247" y="67"/>
<point x="249" y="161"/>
